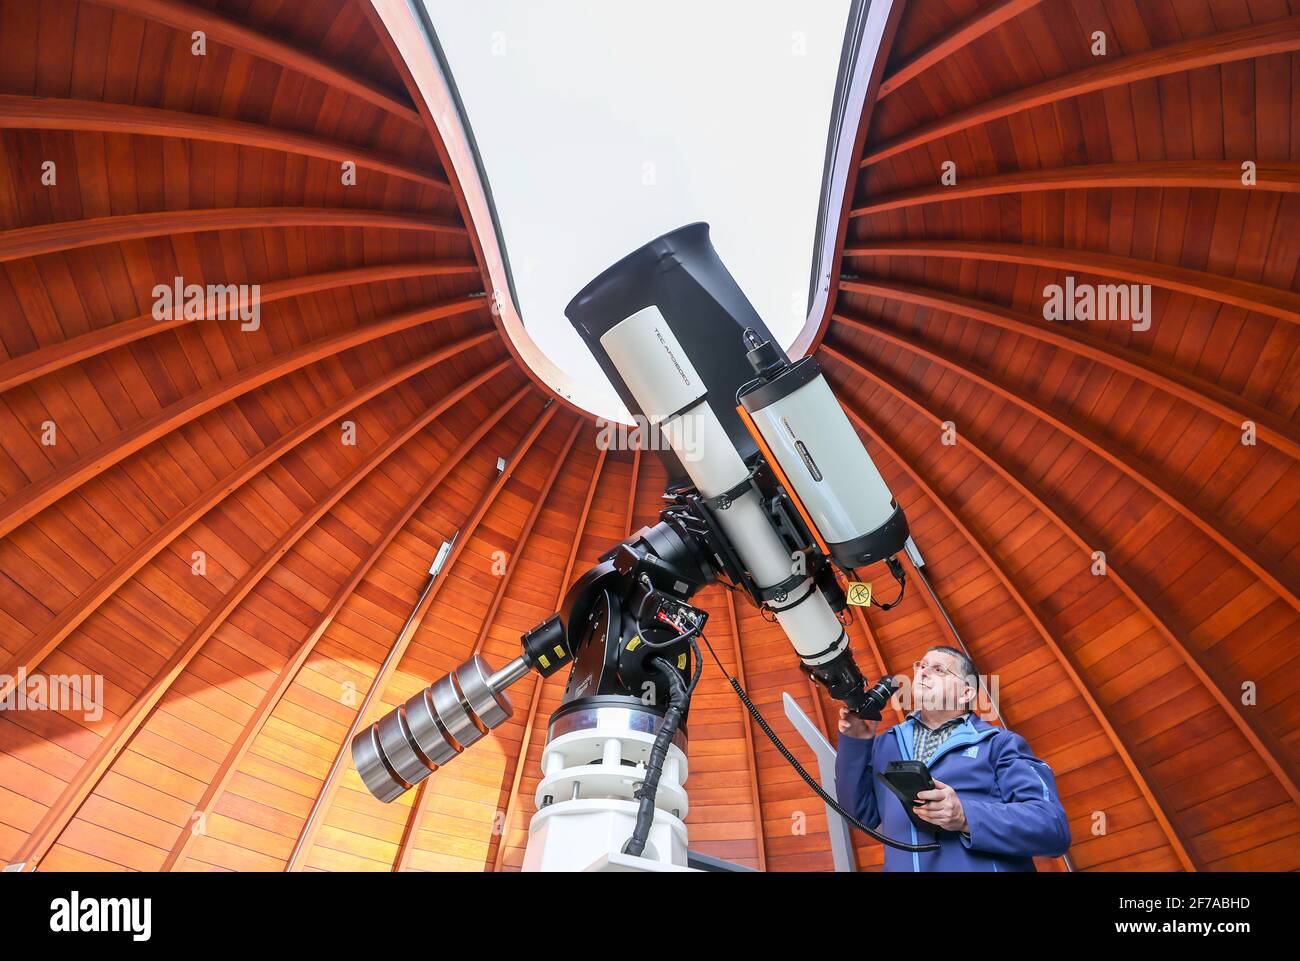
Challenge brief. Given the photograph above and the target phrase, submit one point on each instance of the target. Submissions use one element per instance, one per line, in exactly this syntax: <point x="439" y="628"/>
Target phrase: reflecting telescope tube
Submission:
<point x="688" y="354"/>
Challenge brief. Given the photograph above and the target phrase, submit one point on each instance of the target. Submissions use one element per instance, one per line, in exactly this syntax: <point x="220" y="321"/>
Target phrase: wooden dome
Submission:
<point x="183" y="513"/>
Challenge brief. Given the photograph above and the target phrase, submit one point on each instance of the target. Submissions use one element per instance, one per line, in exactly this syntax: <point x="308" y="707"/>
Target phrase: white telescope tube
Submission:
<point x="668" y="389"/>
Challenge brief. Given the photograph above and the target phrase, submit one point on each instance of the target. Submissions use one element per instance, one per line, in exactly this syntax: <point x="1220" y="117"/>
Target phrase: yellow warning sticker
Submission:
<point x="633" y="644"/>
<point x="681" y="662"/>
<point x="544" y="662"/>
<point x="859" y="593"/>
<point x="559" y="653"/>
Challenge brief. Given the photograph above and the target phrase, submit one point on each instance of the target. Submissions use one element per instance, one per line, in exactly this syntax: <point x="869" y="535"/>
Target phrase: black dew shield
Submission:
<point x="682" y="276"/>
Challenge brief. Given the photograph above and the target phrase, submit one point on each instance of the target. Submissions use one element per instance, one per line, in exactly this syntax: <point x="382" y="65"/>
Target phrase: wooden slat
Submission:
<point x="51" y="113"/>
<point x="419" y="811"/>
<point x="289" y="673"/>
<point x="631" y="490"/>
<point x="751" y="754"/>
<point x="1227" y="538"/>
<point x="187" y="18"/>
<point x="73" y="234"/>
<point x="88" y="601"/>
<point x="1260" y="40"/>
<point x="1166" y="174"/>
<point x="1261" y="298"/>
<point x="1230" y="407"/>
<point x="34" y="498"/>
<point x="47" y="360"/>
<point x="329" y="789"/>
<point x="987" y="19"/>
<point x="111" y="746"/>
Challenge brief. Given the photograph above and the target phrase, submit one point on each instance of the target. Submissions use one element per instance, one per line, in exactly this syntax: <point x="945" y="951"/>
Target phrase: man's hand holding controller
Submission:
<point x="854" y="726"/>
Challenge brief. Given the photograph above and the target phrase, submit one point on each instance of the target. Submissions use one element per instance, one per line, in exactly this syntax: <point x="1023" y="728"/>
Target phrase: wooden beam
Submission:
<point x="536" y="697"/>
<point x="415" y="820"/>
<point x="631" y="488"/>
<point x="1261" y="40"/>
<point x="533" y="513"/>
<point x="333" y="781"/>
<point x="1229" y="539"/>
<point x="1031" y="614"/>
<point x="30" y="655"/>
<point x="18" y="112"/>
<point x="747" y="722"/>
<point x="1070" y="528"/>
<point x="35" y="497"/>
<point x="106" y="752"/>
<point x="47" y="360"/>
<point x="937" y="615"/>
<point x="73" y="234"/>
<point x="1223" y="404"/>
<point x="1182" y="174"/>
<point x="187" y="18"/>
<point x="992" y="16"/>
<point x="289" y="673"/>
<point x="1260" y="298"/>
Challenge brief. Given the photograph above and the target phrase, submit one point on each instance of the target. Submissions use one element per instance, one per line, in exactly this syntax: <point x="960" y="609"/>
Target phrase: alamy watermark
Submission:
<point x="681" y="434"/>
<point x="70" y="693"/>
<point x="182" y="301"/>
<point x="78" y="915"/>
<point x="1130" y="303"/>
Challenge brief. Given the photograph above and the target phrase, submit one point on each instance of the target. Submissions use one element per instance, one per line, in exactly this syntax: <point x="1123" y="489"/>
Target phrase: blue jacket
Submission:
<point x="1009" y="796"/>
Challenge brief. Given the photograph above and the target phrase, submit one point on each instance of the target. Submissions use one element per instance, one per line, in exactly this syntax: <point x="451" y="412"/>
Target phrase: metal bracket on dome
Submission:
<point x="841" y="841"/>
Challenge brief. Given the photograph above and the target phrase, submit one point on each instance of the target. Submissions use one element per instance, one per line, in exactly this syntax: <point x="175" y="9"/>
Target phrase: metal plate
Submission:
<point x="421" y="720"/>
<point x="395" y="742"/>
<point x="611" y="720"/>
<point x="474" y="678"/>
<point x="366" y="755"/>
<point x="454" y="717"/>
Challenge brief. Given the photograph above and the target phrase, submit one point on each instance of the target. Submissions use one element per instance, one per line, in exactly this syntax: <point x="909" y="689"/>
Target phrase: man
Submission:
<point x="994" y="805"/>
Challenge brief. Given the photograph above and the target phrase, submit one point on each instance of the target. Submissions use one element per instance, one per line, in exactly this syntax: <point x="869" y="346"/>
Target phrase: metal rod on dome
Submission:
<point x="918" y="565"/>
<point x="399" y="750"/>
<point x="434" y="569"/>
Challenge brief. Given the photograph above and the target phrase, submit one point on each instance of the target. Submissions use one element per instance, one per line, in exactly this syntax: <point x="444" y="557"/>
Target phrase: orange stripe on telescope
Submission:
<point x="773" y="463"/>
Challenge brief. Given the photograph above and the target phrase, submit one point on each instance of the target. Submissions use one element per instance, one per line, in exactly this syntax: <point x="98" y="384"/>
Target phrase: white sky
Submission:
<point x="602" y="124"/>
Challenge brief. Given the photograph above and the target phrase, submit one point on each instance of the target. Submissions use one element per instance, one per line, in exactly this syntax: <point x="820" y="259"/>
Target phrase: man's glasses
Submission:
<point x="937" y="669"/>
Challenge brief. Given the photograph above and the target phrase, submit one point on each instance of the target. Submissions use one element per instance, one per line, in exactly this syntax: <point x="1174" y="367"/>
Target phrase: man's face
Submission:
<point x="938" y="684"/>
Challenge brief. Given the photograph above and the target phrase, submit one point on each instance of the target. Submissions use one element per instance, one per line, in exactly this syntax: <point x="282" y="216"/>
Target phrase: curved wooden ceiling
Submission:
<point x="229" y="696"/>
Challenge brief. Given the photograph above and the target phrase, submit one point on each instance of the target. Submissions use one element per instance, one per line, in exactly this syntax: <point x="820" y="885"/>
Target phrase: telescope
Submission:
<point x="771" y="494"/>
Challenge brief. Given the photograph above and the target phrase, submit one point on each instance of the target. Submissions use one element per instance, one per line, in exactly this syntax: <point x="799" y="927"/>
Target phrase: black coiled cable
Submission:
<point x="808" y="779"/>
<point x="679" y="698"/>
